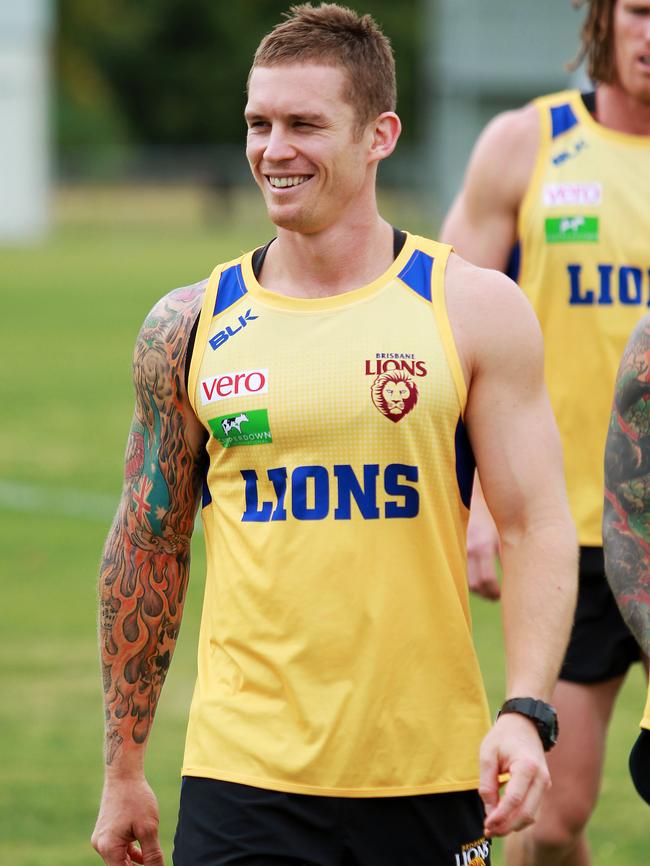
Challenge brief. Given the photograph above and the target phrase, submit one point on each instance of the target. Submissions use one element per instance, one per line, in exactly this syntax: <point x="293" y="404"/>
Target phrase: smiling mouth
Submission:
<point x="283" y="182"/>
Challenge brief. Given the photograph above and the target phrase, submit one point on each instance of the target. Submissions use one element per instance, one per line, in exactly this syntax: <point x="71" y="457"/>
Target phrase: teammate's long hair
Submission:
<point x="597" y="40"/>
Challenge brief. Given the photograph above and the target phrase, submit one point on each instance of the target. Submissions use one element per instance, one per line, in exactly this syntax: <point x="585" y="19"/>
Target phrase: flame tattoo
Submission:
<point x="145" y="565"/>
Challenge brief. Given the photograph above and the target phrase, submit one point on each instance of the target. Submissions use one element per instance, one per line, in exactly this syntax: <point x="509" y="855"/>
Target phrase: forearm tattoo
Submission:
<point x="145" y="566"/>
<point x="626" y="523"/>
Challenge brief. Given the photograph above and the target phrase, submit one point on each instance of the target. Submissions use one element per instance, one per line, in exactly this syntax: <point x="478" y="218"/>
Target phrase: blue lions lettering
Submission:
<point x="627" y="285"/>
<point x="316" y="492"/>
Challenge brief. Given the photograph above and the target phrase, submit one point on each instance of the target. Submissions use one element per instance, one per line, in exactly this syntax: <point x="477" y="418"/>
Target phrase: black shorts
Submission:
<point x="640" y="765"/>
<point x="225" y="824"/>
<point x="601" y="646"/>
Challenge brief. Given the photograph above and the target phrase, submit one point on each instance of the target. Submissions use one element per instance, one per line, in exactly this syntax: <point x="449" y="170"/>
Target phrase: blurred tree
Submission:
<point x="172" y="72"/>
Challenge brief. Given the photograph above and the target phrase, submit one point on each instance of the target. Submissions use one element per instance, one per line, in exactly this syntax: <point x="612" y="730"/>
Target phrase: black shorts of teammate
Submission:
<point x="601" y="646"/>
<point x="226" y="824"/>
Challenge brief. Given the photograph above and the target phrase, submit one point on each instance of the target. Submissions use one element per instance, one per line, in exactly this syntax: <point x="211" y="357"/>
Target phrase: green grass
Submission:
<point x="71" y="310"/>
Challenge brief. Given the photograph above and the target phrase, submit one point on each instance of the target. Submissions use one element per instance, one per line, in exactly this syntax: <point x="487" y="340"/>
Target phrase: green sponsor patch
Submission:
<point x="571" y="229"/>
<point x="242" y="428"/>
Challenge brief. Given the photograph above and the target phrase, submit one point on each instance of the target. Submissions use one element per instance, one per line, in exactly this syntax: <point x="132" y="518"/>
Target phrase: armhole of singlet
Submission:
<point x="257" y="261"/>
<point x="441" y="315"/>
<point x="589" y="101"/>
<point x="198" y="335"/>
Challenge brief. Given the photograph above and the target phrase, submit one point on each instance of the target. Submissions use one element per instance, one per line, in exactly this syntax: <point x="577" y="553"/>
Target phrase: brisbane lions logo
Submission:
<point x="394" y="394"/>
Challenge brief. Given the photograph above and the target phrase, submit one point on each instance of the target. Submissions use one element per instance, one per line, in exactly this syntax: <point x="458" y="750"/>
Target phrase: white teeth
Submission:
<point x="281" y="182"/>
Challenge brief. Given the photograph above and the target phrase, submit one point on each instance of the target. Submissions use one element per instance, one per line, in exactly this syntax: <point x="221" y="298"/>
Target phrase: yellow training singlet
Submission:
<point x="335" y="652"/>
<point x="584" y="246"/>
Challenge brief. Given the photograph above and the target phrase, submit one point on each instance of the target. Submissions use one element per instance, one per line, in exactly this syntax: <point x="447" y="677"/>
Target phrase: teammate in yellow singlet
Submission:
<point x="342" y="379"/>
<point x="557" y="193"/>
<point x="626" y="522"/>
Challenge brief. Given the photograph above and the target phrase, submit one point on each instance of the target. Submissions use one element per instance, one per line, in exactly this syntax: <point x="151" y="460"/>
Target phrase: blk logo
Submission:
<point x="222" y="337"/>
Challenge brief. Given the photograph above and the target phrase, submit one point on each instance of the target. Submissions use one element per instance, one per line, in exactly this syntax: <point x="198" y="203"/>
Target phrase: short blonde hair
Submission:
<point x="334" y="35"/>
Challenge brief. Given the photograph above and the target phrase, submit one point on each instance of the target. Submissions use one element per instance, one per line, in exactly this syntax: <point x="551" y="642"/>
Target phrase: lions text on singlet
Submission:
<point x="585" y="266"/>
<point x="335" y="650"/>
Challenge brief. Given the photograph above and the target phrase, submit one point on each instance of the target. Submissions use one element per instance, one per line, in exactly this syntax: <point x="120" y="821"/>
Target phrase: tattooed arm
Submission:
<point x="144" y="572"/>
<point x="626" y="521"/>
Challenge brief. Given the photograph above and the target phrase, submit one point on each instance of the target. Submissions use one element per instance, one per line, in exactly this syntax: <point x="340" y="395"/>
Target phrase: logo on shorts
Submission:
<point x="474" y="853"/>
<point x="242" y="428"/>
<point x="244" y="382"/>
<point x="571" y="229"/>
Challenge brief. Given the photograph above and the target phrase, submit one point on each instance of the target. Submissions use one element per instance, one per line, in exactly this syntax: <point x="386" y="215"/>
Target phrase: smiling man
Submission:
<point x="328" y="393"/>
<point x="557" y="193"/>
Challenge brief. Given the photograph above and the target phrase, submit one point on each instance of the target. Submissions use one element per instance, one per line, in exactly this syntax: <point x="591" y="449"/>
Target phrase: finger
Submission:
<point x="501" y="820"/>
<point x="532" y="802"/>
<point x="112" y="855"/>
<point x="488" y="788"/>
<point x="482" y="575"/>
<point x="135" y="853"/>
<point x="152" y="854"/>
<point x="489" y="581"/>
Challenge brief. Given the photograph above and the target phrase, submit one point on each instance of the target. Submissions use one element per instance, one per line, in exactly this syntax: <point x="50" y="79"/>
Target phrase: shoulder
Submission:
<point x="504" y="156"/>
<point x="513" y="129"/>
<point x="177" y="309"/>
<point x="491" y="319"/>
<point x="161" y="348"/>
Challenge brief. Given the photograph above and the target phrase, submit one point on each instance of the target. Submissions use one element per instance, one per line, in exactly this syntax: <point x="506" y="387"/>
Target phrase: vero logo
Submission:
<point x="236" y="384"/>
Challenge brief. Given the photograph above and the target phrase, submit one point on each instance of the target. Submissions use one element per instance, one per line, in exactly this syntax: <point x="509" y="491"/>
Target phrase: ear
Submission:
<point x="385" y="130"/>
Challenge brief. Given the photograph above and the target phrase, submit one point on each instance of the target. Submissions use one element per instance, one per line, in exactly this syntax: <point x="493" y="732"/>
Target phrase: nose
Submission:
<point x="278" y="145"/>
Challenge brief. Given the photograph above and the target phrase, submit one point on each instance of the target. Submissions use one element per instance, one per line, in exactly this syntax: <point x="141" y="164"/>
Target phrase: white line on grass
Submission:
<point x="59" y="501"/>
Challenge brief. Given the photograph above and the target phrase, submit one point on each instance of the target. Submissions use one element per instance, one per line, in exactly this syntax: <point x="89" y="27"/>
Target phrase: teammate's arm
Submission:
<point x="519" y="459"/>
<point x="482" y="222"/>
<point x="482" y="227"/>
<point x="144" y="574"/>
<point x="626" y="519"/>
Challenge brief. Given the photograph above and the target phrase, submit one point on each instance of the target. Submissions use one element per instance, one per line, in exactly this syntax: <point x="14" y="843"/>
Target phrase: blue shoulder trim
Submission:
<point x="417" y="274"/>
<point x="465" y="463"/>
<point x="562" y="119"/>
<point x="231" y="288"/>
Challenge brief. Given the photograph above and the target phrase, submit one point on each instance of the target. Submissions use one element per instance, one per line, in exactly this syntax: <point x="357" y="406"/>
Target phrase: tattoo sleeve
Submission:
<point x="145" y="565"/>
<point x="626" y="522"/>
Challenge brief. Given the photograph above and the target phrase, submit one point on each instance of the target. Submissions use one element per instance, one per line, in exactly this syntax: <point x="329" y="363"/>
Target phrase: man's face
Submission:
<point x="302" y="147"/>
<point x="632" y="47"/>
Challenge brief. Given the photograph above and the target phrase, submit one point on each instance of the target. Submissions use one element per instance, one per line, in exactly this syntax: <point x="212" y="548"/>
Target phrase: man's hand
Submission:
<point x="482" y="549"/>
<point x="128" y="814"/>
<point x="512" y="747"/>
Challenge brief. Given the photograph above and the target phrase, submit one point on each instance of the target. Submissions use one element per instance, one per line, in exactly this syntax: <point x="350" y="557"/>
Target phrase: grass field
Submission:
<point x="71" y="308"/>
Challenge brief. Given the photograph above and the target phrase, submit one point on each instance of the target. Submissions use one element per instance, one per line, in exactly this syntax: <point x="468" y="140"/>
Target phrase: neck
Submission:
<point x="335" y="260"/>
<point x="619" y="110"/>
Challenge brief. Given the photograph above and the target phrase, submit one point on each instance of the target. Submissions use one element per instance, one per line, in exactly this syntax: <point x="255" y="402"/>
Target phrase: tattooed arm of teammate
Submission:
<point x="626" y="520"/>
<point x="144" y="571"/>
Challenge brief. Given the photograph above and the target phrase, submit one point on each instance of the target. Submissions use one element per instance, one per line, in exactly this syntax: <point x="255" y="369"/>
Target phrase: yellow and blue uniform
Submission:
<point x="335" y="650"/>
<point x="584" y="263"/>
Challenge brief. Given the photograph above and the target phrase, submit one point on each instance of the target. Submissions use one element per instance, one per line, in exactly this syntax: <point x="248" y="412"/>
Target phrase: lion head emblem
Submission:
<point x="394" y="394"/>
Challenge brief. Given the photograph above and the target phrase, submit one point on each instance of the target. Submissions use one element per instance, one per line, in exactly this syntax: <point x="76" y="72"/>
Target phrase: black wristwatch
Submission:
<point x="543" y="715"/>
